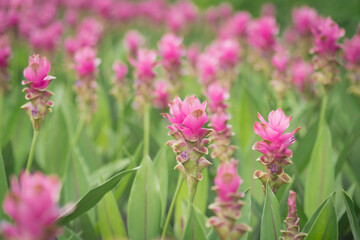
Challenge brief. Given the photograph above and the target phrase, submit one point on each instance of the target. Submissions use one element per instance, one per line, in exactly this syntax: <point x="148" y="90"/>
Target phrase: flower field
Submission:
<point x="163" y="120"/>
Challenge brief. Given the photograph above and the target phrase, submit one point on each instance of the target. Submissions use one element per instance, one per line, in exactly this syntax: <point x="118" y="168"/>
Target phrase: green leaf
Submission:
<point x="245" y="213"/>
<point x="270" y="220"/>
<point x="144" y="207"/>
<point x="323" y="224"/>
<point x="3" y="184"/>
<point x="353" y="220"/>
<point x="197" y="229"/>
<point x="69" y="235"/>
<point x="92" y="198"/>
<point x="108" y="170"/>
<point x="110" y="222"/>
<point x="320" y="180"/>
<point x="213" y="235"/>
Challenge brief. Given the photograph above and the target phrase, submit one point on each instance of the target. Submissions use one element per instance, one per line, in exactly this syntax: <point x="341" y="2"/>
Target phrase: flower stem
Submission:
<point x="192" y="186"/>
<point x="323" y="111"/>
<point x="172" y="205"/>
<point x="1" y="111"/>
<point x="32" y="150"/>
<point x="146" y="128"/>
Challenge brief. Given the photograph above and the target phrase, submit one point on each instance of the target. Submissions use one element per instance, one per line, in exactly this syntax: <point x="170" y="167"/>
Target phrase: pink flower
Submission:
<point x="71" y="16"/>
<point x="268" y="9"/>
<point x="326" y="33"/>
<point x="85" y="62"/>
<point x="71" y="45"/>
<point x="304" y="18"/>
<point x="219" y="121"/>
<point x="227" y="181"/>
<point x="193" y="54"/>
<point x="225" y="9"/>
<point x="37" y="73"/>
<point x="46" y="38"/>
<point x="161" y="94"/>
<point x="171" y="51"/>
<point x="352" y="51"/>
<point x="175" y="20"/>
<point x="207" y="67"/>
<point x="133" y="41"/>
<point x="145" y="64"/>
<point x="229" y="53"/>
<point x="217" y="96"/>
<point x="280" y="59"/>
<point x="301" y="73"/>
<point x="32" y="204"/>
<point x="120" y="70"/>
<point x="236" y="26"/>
<point x="188" y="117"/>
<point x="292" y="204"/>
<point x="5" y="52"/>
<point x="262" y="33"/>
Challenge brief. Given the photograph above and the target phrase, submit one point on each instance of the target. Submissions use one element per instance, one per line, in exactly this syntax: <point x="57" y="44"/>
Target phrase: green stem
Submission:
<point x="172" y="205"/>
<point x="146" y="128"/>
<point x="1" y="111"/>
<point x="32" y="150"/>
<point x="322" y="111"/>
<point x="192" y="186"/>
<point x="120" y="129"/>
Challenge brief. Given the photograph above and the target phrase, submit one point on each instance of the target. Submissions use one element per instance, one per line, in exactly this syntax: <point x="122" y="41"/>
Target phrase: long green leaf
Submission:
<point x="197" y="230"/>
<point x="144" y="207"/>
<point x="3" y="184"/>
<point x="92" y="198"/>
<point x="320" y="180"/>
<point x="353" y="220"/>
<point x="270" y="220"/>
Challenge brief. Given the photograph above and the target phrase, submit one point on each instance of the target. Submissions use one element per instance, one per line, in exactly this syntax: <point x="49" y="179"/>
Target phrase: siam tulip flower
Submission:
<point x="189" y="9"/>
<point x="5" y="54"/>
<point x="262" y="33"/>
<point x="46" y="38"/>
<point x="228" y="203"/>
<point x="274" y="148"/>
<point x="207" y="66"/>
<point x="90" y="27"/>
<point x="190" y="138"/>
<point x="301" y="75"/>
<point x="326" y="33"/>
<point x="280" y="80"/>
<point x="32" y="203"/>
<point x="133" y="41"/>
<point x="268" y="9"/>
<point x="86" y="65"/>
<point x="305" y="19"/>
<point x="161" y="94"/>
<point x="192" y="54"/>
<point x="171" y="51"/>
<point x="71" y="16"/>
<point x="280" y="59"/>
<point x="175" y="20"/>
<point x="120" y="89"/>
<point x="217" y="96"/>
<point x="37" y="82"/>
<point x="71" y="46"/>
<point x="292" y="231"/>
<point x="120" y="70"/>
<point x="352" y="62"/>
<point x="229" y="54"/>
<point x="236" y="26"/>
<point x="225" y="10"/>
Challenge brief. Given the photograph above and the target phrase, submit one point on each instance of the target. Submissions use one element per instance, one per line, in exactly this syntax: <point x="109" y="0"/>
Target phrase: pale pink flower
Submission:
<point x="225" y="10"/>
<point x="144" y="65"/>
<point x="161" y="94"/>
<point x="268" y="9"/>
<point x="120" y="69"/>
<point x="193" y="54"/>
<point x="37" y="73"/>
<point x="32" y="204"/>
<point x="85" y="62"/>
<point x="327" y="34"/>
<point x="46" y="38"/>
<point x="171" y="51"/>
<point x="301" y="73"/>
<point x="227" y="181"/>
<point x="219" y="121"/>
<point x="133" y="41"/>
<point x="217" y="96"/>
<point x="5" y="52"/>
<point x="229" y="53"/>
<point x="175" y="20"/>
<point x="304" y="18"/>
<point x="262" y="33"/>
<point x="280" y="59"/>
<point x="207" y="66"/>
<point x="71" y="45"/>
<point x="352" y="51"/>
<point x="188" y="9"/>
<point x="236" y="26"/>
<point x="71" y="16"/>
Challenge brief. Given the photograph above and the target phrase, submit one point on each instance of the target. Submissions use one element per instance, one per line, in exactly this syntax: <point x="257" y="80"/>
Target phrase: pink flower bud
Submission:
<point x="219" y="121"/>
<point x="37" y="72"/>
<point x="32" y="204"/>
<point x="227" y="181"/>
<point x="144" y="65"/>
<point x="262" y="33"/>
<point x="236" y="26"/>
<point x="171" y="51"/>
<point x="133" y="41"/>
<point x="161" y="94"/>
<point x="217" y="96"/>
<point x="304" y="18"/>
<point x="301" y="73"/>
<point x="268" y="9"/>
<point x="85" y="62"/>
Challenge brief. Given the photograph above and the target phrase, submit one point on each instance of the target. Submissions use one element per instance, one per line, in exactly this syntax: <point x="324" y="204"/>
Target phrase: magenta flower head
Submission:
<point x="327" y="34"/>
<point x="5" y="54"/>
<point x="228" y="204"/>
<point x="207" y="66"/>
<point x="190" y="138"/>
<point x="262" y="33"/>
<point x="292" y="221"/>
<point x="37" y="82"/>
<point x="32" y="205"/>
<point x="301" y="74"/>
<point x="161" y="94"/>
<point x="144" y="65"/>
<point x="352" y="63"/>
<point x="229" y="53"/>
<point x="280" y="59"/>
<point x="304" y="18"/>
<point x="236" y="26"/>
<point x="120" y="89"/>
<point x="86" y="63"/>
<point x="171" y="51"/>
<point x="133" y="41"/>
<point x="120" y="69"/>
<point x="217" y="96"/>
<point x="274" y="148"/>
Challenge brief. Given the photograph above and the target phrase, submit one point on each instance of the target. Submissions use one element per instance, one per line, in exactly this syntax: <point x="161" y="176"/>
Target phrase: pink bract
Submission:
<point x="120" y="69"/>
<point x="86" y="62"/>
<point x="262" y="33"/>
<point x="304" y="18"/>
<point x="37" y="72"/>
<point x="227" y="181"/>
<point x="217" y="96"/>
<point x="171" y="51"/>
<point x="145" y="64"/>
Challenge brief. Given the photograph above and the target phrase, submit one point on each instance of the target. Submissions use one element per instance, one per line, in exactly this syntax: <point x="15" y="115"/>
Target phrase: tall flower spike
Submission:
<point x="187" y="119"/>
<point x="352" y="63"/>
<point x="228" y="203"/>
<point x="37" y="82"/>
<point x="292" y="231"/>
<point x="5" y="54"/>
<point x="274" y="148"/>
<point x="32" y="204"/>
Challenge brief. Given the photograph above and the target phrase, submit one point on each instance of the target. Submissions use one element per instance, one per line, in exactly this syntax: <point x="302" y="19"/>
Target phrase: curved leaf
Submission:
<point x="144" y="207"/>
<point x="353" y="220"/>
<point x="92" y="198"/>
<point x="3" y="184"/>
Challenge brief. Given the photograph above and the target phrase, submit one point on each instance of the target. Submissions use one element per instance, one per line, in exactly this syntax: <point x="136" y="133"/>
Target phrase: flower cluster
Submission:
<point x="5" y="54"/>
<point x="301" y="76"/>
<point x="190" y="138"/>
<point x="274" y="148"/>
<point x="280" y="61"/>
<point x="292" y="231"/>
<point x="37" y="82"/>
<point x="352" y="62"/>
<point x="32" y="205"/>
<point x="228" y="203"/>
<point x="120" y="89"/>
<point x="133" y="40"/>
<point x="86" y="65"/>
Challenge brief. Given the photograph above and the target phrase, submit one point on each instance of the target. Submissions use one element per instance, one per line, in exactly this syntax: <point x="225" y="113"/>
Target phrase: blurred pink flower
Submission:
<point x="217" y="96"/>
<point x="280" y="59"/>
<point x="262" y="33"/>
<point x="144" y="65"/>
<point x="301" y="73"/>
<point x="71" y="16"/>
<point x="171" y="51"/>
<point x="133" y="41"/>
<point x="161" y="94"/>
<point x="188" y="117"/>
<point x="5" y="52"/>
<point x="304" y="18"/>
<point x="268" y="9"/>
<point x="120" y="69"/>
<point x="219" y="121"/>
<point x="85" y="62"/>
<point x="236" y="26"/>
<point x="229" y="53"/>
<point x="326" y="33"/>
<point x="352" y="51"/>
<point x="32" y="204"/>
<point x="47" y="38"/>
<point x="71" y="45"/>
<point x="193" y="54"/>
<point x="227" y="181"/>
<point x="37" y="73"/>
<point x="207" y="66"/>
